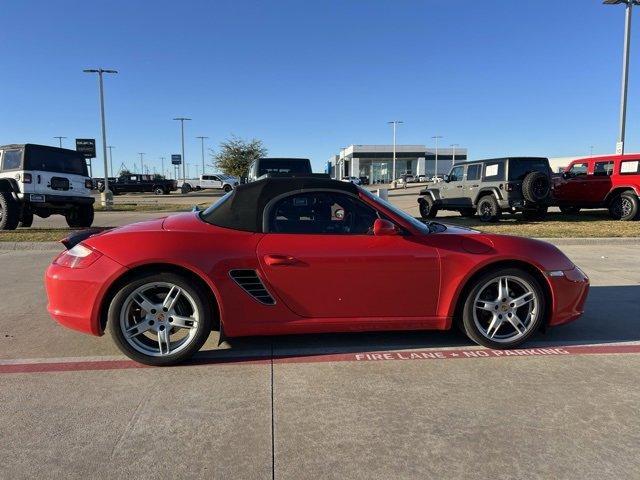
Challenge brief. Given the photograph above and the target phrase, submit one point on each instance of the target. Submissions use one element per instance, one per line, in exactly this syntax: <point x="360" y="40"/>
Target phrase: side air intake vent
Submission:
<point x="251" y="283"/>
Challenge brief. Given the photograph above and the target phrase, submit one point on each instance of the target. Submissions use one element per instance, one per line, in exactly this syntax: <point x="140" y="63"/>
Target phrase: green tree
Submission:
<point x="235" y="155"/>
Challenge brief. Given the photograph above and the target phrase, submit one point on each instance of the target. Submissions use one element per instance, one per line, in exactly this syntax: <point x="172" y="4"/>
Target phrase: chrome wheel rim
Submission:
<point x="505" y="308"/>
<point x="159" y="319"/>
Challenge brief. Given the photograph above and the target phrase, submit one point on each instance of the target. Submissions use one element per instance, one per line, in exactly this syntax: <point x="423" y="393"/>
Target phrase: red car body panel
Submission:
<point x="594" y="190"/>
<point x="327" y="283"/>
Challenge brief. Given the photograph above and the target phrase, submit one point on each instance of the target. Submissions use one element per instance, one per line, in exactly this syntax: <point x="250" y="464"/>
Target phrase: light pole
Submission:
<point x="591" y="149"/>
<point x="111" y="147"/>
<point x="453" y="147"/>
<point x="184" y="172"/>
<point x="162" y="162"/>
<point x="625" y="69"/>
<point x="202" y="139"/>
<point x="142" y="154"/>
<point x="393" y="168"/>
<point x="60" y="140"/>
<point x="107" y="196"/>
<point x="436" y="138"/>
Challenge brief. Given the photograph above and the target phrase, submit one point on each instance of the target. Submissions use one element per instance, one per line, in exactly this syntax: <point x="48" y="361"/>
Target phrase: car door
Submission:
<point x="598" y="182"/>
<point x="572" y="189"/>
<point x="321" y="259"/>
<point x="471" y="183"/>
<point x="454" y="187"/>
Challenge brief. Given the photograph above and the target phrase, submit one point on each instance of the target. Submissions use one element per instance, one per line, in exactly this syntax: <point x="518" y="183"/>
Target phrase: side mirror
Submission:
<point x="384" y="227"/>
<point x="566" y="175"/>
<point x="446" y="179"/>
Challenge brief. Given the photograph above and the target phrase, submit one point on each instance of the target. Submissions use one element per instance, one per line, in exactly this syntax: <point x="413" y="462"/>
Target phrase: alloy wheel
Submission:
<point x="505" y="308"/>
<point x="159" y="319"/>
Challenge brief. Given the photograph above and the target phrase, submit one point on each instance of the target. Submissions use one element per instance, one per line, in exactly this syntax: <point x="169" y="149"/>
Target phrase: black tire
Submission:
<point x="570" y="210"/>
<point x="537" y="213"/>
<point x="468" y="212"/>
<point x="26" y="220"/>
<point x="158" y="190"/>
<point x="186" y="188"/>
<point x="203" y="327"/>
<point x="9" y="212"/>
<point x="624" y="206"/>
<point x="469" y="320"/>
<point x="536" y="187"/>
<point x="428" y="209"/>
<point x="227" y="188"/>
<point x="488" y="209"/>
<point x="80" y="216"/>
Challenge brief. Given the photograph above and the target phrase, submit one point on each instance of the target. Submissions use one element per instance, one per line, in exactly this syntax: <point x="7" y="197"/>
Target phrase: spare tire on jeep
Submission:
<point x="536" y="187"/>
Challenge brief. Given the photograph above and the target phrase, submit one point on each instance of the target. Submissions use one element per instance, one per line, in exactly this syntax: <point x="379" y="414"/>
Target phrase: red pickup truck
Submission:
<point x="611" y="181"/>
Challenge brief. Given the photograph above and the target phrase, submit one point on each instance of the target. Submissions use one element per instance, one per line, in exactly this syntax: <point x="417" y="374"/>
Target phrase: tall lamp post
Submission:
<point x="60" y="140"/>
<point x="111" y="147"/>
<point x="142" y="154"/>
<point x="106" y="196"/>
<point x="184" y="160"/>
<point x="395" y="124"/>
<point x="162" y="163"/>
<point x="202" y="139"/>
<point x="453" y="147"/>
<point x="436" y="138"/>
<point x="625" y="69"/>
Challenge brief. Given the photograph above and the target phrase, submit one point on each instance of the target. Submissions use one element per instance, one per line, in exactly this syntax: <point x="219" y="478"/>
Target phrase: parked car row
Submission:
<point x="136" y="183"/>
<point x="488" y="188"/>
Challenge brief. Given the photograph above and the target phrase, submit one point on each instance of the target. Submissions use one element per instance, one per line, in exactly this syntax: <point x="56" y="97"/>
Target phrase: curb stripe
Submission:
<point x="73" y="365"/>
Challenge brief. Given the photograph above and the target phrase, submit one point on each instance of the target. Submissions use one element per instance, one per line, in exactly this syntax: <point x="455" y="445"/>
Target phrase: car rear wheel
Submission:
<point x="80" y="217"/>
<point x="488" y="209"/>
<point x="158" y="191"/>
<point x="186" y="188"/>
<point x="159" y="319"/>
<point x="227" y="188"/>
<point x="570" y="210"/>
<point x="624" y="207"/>
<point x="427" y="208"/>
<point x="9" y="212"/>
<point x="504" y="308"/>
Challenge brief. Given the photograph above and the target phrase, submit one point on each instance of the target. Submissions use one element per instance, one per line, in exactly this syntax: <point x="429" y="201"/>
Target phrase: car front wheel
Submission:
<point x="504" y="308"/>
<point x="80" y="217"/>
<point x="427" y="208"/>
<point x="160" y="319"/>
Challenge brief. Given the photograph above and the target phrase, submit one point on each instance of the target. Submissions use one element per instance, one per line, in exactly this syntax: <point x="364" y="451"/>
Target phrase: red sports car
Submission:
<point x="305" y="255"/>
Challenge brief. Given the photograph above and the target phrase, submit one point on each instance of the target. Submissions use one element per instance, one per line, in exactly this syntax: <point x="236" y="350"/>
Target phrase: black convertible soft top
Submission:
<point x="244" y="207"/>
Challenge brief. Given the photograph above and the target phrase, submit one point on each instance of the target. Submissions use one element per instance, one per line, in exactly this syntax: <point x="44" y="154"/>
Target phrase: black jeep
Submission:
<point x="490" y="187"/>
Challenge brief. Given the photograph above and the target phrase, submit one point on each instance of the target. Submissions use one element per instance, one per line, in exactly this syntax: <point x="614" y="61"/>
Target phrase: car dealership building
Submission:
<point x="376" y="161"/>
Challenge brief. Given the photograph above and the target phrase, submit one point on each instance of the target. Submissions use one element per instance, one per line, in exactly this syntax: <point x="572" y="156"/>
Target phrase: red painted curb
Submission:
<point x="401" y="355"/>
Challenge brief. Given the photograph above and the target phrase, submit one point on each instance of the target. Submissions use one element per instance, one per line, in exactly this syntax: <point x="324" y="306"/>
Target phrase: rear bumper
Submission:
<point x="57" y="201"/>
<point x="75" y="295"/>
<point x="569" y="294"/>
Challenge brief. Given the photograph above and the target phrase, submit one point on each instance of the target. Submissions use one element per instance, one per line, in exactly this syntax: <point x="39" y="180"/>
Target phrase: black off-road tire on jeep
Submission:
<point x="488" y="209"/>
<point x="9" y="212"/>
<point x="536" y="187"/>
<point x="537" y="213"/>
<point x="427" y="208"/>
<point x="468" y="212"/>
<point x="570" y="210"/>
<point x="625" y="206"/>
<point x="80" y="216"/>
<point x="26" y="220"/>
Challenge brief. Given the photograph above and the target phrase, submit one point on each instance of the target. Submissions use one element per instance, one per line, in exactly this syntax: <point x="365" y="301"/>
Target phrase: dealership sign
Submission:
<point x="176" y="159"/>
<point x="86" y="146"/>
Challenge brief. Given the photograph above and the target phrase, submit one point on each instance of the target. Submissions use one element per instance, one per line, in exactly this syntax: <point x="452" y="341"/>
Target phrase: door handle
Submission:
<point x="475" y="186"/>
<point x="459" y="186"/>
<point x="279" y="260"/>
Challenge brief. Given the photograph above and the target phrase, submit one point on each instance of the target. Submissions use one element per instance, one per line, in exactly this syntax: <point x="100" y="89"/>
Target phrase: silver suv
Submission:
<point x="490" y="187"/>
<point x="42" y="180"/>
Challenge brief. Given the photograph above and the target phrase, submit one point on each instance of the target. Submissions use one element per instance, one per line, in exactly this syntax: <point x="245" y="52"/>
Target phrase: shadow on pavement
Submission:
<point x="612" y="315"/>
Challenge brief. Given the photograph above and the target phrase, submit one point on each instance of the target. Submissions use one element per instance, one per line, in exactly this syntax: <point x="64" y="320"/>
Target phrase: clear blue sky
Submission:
<point x="307" y="77"/>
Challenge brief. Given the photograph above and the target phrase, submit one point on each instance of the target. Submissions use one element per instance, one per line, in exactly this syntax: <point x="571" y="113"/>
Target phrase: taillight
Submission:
<point x="88" y="184"/>
<point x="509" y="187"/>
<point x="77" y="257"/>
<point x="27" y="178"/>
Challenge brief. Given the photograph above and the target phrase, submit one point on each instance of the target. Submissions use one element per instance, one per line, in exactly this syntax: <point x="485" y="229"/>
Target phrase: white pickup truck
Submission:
<point x="219" y="181"/>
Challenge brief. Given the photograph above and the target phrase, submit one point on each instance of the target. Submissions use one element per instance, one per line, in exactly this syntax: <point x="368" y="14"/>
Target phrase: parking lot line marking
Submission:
<point x="76" y="364"/>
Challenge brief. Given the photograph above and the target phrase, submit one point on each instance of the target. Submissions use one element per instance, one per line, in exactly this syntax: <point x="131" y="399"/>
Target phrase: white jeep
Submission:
<point x="42" y="180"/>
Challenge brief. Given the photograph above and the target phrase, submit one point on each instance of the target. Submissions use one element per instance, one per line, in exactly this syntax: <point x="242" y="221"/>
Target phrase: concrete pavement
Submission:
<point x="558" y="416"/>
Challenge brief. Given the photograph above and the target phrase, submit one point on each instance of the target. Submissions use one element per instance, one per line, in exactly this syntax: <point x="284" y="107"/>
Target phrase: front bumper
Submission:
<point x="569" y="292"/>
<point x="75" y="294"/>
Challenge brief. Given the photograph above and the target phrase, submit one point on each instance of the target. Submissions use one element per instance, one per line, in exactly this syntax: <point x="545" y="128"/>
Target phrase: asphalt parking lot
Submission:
<point x="392" y="405"/>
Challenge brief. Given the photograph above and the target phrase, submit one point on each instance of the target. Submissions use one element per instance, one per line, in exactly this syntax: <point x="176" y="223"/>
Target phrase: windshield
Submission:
<point x="519" y="168"/>
<point x="404" y="215"/>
